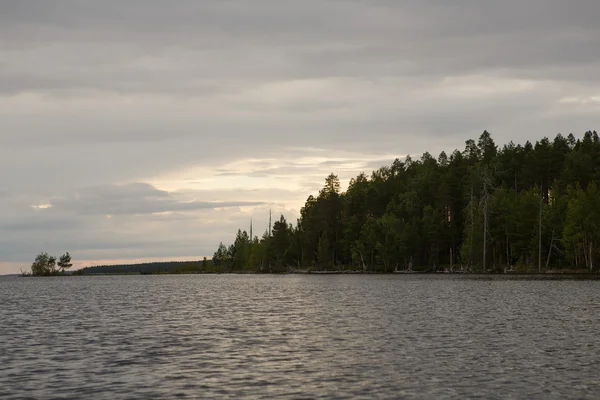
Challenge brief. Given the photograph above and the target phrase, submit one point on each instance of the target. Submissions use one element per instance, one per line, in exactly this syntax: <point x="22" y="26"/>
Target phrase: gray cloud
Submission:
<point x="267" y="95"/>
<point x="134" y="199"/>
<point x="291" y="168"/>
<point x="213" y="46"/>
<point x="103" y="222"/>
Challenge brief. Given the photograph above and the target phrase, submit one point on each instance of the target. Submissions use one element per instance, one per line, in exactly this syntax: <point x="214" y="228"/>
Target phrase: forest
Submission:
<point x="523" y="208"/>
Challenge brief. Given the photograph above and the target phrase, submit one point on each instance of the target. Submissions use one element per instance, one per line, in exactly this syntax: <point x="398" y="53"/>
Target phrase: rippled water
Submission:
<point x="298" y="336"/>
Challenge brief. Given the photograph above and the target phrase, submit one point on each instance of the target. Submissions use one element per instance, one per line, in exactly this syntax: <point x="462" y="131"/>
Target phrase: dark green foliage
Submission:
<point x="65" y="262"/>
<point x="222" y="258"/>
<point x="45" y="265"/>
<point x="519" y="207"/>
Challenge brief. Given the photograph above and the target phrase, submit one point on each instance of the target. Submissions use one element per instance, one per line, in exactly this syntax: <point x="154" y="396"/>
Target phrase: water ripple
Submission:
<point x="121" y="337"/>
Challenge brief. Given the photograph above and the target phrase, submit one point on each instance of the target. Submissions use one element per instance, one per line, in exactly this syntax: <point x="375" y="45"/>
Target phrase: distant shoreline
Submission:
<point x="304" y="272"/>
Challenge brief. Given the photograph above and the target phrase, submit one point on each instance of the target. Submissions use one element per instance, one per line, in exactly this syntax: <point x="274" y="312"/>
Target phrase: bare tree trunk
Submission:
<point x="485" y="207"/>
<point x="507" y="251"/>
<point x="550" y="249"/>
<point x="362" y="260"/>
<point x="540" y="232"/>
<point x="591" y="256"/>
<point x="472" y="230"/>
<point x="585" y="251"/>
<point x="585" y="254"/>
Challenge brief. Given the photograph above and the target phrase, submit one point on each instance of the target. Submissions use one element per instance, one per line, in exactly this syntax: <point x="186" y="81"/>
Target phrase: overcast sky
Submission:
<point x="152" y="129"/>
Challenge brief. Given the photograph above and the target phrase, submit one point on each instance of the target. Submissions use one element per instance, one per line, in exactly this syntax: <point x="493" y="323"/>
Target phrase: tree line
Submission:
<point x="530" y="207"/>
<point x="159" y="267"/>
<point x="46" y="265"/>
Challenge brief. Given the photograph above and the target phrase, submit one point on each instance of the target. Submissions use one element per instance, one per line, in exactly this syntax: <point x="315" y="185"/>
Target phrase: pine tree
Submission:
<point x="65" y="262"/>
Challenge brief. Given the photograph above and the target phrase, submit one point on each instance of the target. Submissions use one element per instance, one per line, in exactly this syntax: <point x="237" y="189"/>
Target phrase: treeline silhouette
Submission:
<point x="167" y="267"/>
<point x="530" y="207"/>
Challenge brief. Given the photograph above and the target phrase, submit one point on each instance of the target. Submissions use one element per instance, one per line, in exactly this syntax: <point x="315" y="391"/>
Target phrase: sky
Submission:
<point x="152" y="130"/>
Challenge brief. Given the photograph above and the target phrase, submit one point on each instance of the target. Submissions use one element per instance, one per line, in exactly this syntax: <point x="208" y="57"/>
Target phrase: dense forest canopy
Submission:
<point x="525" y="207"/>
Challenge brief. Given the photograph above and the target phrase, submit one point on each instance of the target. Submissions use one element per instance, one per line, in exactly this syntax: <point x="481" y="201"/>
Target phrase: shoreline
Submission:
<point x="306" y="272"/>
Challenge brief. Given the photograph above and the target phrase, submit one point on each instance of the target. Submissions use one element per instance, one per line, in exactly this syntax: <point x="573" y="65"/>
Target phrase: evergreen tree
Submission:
<point x="44" y="265"/>
<point x="484" y="208"/>
<point x="65" y="262"/>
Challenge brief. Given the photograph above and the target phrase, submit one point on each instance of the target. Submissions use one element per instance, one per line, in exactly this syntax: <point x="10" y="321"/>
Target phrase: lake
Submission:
<point x="299" y="336"/>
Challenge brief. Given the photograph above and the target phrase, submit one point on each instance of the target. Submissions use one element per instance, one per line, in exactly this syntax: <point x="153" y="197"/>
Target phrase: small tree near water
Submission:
<point x="45" y="265"/>
<point x="65" y="262"/>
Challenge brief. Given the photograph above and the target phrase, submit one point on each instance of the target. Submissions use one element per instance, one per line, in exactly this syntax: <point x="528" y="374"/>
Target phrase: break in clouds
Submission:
<point x="152" y="129"/>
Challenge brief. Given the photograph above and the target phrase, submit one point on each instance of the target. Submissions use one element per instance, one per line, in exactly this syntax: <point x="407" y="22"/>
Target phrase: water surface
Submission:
<point x="298" y="336"/>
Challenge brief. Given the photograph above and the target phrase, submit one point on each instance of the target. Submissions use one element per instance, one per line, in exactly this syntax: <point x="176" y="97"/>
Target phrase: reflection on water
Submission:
<point x="116" y="337"/>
